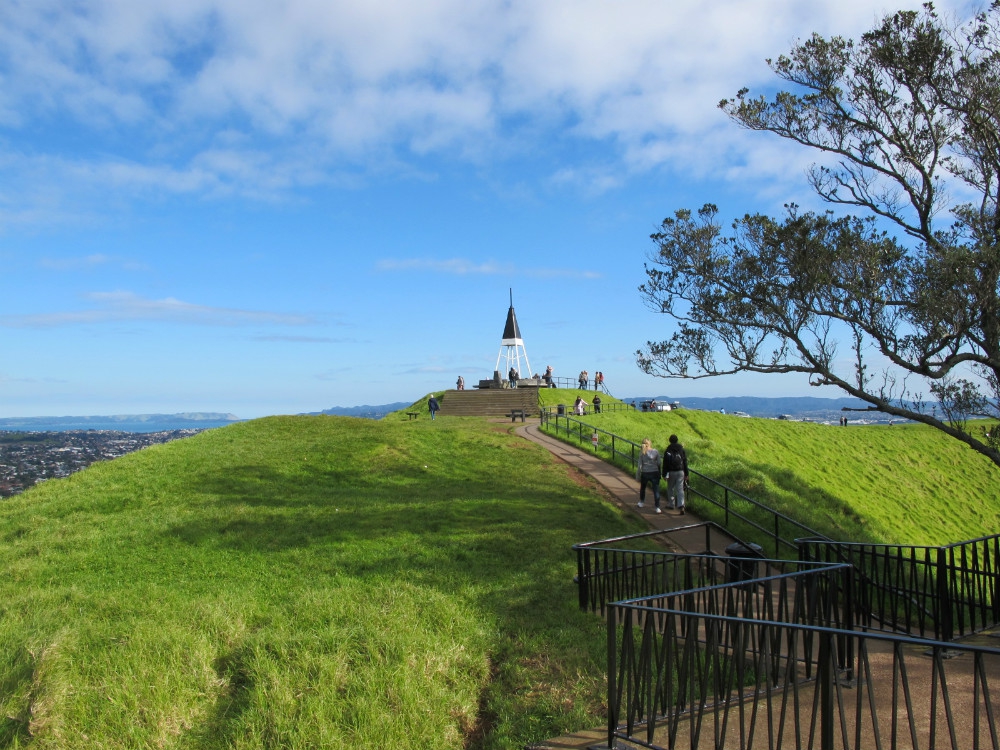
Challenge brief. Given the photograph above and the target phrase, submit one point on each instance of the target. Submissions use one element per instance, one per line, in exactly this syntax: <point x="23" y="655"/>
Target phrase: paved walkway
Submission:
<point x="625" y="491"/>
<point x="687" y="535"/>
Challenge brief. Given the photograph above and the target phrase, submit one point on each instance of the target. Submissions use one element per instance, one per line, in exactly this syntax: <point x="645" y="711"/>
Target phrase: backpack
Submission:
<point x="673" y="460"/>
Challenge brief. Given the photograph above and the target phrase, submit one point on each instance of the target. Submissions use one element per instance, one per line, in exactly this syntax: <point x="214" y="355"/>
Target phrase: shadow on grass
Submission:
<point x="819" y="511"/>
<point x="17" y="680"/>
<point x="438" y="529"/>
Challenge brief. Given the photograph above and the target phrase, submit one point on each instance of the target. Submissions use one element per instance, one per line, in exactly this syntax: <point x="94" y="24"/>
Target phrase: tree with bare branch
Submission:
<point x="895" y="298"/>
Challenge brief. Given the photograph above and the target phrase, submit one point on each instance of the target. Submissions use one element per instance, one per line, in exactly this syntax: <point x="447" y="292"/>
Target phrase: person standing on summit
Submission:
<point x="675" y="471"/>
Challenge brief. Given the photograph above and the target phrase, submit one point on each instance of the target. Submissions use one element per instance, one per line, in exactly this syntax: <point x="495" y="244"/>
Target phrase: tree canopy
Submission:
<point x="895" y="296"/>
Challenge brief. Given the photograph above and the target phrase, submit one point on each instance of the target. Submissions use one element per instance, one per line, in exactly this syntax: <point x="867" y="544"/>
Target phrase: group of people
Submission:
<point x="513" y="375"/>
<point x="583" y="380"/>
<point x="580" y="406"/>
<point x="673" y="467"/>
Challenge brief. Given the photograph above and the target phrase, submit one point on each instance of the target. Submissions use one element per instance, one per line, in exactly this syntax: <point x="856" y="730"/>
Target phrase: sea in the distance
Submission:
<point x="120" y="423"/>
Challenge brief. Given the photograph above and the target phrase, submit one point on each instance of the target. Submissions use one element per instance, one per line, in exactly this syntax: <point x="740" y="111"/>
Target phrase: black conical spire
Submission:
<point x="511" y="331"/>
<point x="511" y="346"/>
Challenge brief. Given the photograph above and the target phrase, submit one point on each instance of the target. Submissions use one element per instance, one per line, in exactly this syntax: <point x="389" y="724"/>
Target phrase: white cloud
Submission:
<point x="257" y="97"/>
<point x="457" y="266"/>
<point x="463" y="267"/>
<point x="301" y="339"/>
<point x="127" y="306"/>
<point x="95" y="260"/>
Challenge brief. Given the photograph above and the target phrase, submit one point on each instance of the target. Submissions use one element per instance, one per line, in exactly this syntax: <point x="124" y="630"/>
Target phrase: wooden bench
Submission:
<point x="411" y="415"/>
<point x="515" y="413"/>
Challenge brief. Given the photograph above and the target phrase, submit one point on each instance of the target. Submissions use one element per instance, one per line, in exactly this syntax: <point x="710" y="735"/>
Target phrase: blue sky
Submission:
<point x="274" y="208"/>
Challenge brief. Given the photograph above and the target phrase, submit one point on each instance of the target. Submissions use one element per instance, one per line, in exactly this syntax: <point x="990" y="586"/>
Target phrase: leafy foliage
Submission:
<point x="908" y="116"/>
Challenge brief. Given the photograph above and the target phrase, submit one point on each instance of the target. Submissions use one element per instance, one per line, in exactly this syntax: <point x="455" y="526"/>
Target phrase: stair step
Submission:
<point x="488" y="403"/>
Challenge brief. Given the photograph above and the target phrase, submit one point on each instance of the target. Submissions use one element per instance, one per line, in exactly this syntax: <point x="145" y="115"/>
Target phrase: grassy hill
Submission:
<point x="900" y="483"/>
<point x="303" y="582"/>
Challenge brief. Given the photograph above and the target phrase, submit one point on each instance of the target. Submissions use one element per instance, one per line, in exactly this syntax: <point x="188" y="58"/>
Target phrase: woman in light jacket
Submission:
<point x="648" y="472"/>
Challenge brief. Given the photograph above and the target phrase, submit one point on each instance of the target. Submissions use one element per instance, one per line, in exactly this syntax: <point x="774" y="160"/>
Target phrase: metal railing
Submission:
<point x="591" y="408"/>
<point x="779" y="530"/>
<point x="945" y="592"/>
<point x="574" y="384"/>
<point x="608" y="571"/>
<point x="774" y="663"/>
<point x="724" y="652"/>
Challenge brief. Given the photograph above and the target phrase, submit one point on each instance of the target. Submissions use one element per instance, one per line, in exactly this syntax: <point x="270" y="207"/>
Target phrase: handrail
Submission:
<point x="573" y="384"/>
<point x="627" y="451"/>
<point x="784" y="653"/>
<point x="951" y="590"/>
<point x="607" y="569"/>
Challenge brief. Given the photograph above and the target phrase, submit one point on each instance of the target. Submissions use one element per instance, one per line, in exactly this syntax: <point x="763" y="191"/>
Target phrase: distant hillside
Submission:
<point x="120" y="422"/>
<point x="800" y="407"/>
<point x="366" y="411"/>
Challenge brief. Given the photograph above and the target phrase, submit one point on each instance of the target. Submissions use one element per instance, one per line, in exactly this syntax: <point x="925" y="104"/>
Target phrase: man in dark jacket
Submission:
<point x="433" y="405"/>
<point x="675" y="471"/>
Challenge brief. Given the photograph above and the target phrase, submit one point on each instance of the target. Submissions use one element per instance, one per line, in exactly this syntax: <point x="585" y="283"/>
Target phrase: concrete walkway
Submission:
<point x="687" y="535"/>
<point x="624" y="490"/>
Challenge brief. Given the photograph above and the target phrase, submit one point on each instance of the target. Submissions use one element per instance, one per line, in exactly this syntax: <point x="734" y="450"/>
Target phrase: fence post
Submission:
<point x="946" y="613"/>
<point x="996" y="576"/>
<point x="583" y="576"/>
<point x="825" y="675"/>
<point x="613" y="706"/>
<point x="847" y="643"/>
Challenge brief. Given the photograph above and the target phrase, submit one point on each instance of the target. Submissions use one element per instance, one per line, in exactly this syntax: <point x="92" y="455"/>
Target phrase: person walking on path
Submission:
<point x="675" y="471"/>
<point x="648" y="472"/>
<point x="433" y="405"/>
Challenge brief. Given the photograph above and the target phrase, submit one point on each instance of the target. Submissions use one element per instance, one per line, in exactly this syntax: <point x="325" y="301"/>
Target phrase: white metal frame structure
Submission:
<point x="512" y="349"/>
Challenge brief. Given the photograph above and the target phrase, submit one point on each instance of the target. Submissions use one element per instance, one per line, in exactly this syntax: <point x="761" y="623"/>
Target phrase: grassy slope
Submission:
<point x="900" y="483"/>
<point x="303" y="582"/>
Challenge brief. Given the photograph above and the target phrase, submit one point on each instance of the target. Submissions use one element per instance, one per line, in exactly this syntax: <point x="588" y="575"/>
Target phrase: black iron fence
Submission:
<point x="612" y="569"/>
<point x="738" y="510"/>
<point x="942" y="592"/>
<point x="853" y="649"/>
<point x="775" y="663"/>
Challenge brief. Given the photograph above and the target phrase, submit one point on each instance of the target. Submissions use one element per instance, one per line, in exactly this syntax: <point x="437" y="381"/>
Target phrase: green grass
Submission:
<point x="901" y="483"/>
<point x="303" y="582"/>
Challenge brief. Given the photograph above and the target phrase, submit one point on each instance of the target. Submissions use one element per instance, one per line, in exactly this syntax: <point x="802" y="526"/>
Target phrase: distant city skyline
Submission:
<point x="264" y="208"/>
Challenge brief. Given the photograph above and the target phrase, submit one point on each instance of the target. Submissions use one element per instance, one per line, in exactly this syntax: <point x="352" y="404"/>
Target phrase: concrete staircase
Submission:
<point x="493" y="402"/>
